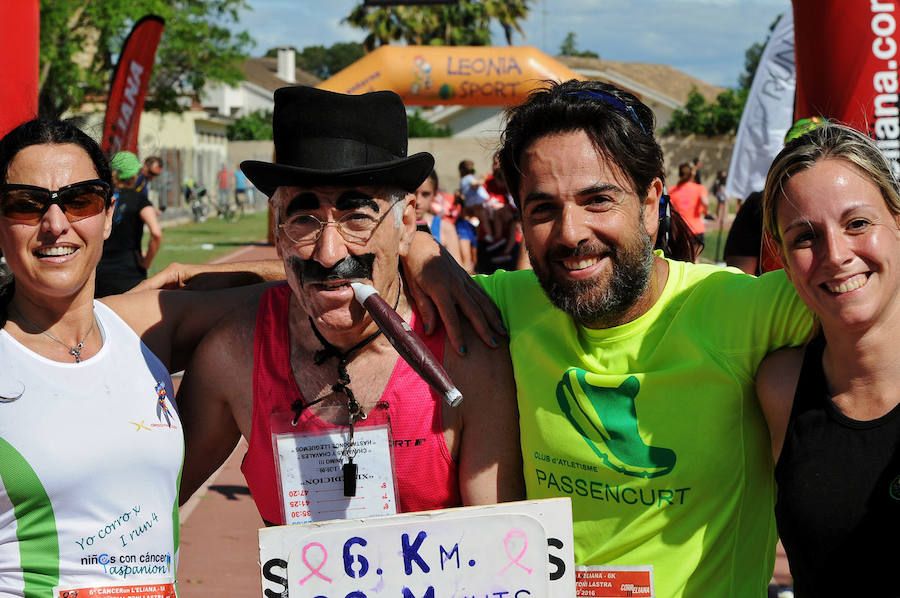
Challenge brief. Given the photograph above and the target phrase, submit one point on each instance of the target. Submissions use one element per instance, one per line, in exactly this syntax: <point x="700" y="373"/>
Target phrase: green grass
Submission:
<point x="712" y="251"/>
<point x="200" y="242"/>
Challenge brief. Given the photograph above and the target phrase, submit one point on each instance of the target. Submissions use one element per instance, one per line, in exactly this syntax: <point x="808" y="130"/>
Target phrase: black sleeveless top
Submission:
<point x="838" y="505"/>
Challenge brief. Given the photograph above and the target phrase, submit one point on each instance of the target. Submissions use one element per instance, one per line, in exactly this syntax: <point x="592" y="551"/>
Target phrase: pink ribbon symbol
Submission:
<point x="314" y="571"/>
<point x="515" y="560"/>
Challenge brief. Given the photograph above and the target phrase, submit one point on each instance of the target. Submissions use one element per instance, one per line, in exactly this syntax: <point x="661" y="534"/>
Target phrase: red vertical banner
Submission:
<point x="847" y="56"/>
<point x="129" y="86"/>
<point x="19" y="47"/>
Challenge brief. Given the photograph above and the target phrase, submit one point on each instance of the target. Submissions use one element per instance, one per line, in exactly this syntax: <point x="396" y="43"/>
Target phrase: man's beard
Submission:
<point x="596" y="302"/>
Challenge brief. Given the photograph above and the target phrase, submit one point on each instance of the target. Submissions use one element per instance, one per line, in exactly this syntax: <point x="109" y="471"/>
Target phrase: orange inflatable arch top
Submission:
<point x="465" y="75"/>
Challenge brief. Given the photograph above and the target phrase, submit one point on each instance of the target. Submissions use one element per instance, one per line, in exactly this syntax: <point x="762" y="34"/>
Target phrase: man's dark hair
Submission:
<point x="620" y="126"/>
<point x="152" y="161"/>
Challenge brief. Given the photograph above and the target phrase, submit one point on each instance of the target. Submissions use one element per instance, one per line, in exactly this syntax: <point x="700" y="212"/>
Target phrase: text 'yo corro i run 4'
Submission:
<point x="407" y="343"/>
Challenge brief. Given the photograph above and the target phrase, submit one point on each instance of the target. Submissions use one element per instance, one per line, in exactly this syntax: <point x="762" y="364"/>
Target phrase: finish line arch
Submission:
<point x="461" y="75"/>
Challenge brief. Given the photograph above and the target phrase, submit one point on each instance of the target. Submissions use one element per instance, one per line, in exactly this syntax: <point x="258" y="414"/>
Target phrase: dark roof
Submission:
<point x="661" y="78"/>
<point x="263" y="72"/>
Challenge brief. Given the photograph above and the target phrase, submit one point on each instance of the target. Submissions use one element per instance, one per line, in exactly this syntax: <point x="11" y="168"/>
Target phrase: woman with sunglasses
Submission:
<point x="832" y="207"/>
<point x="90" y="440"/>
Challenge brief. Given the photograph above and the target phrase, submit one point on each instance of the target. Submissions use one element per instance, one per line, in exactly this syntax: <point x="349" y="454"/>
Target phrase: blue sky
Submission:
<point x="704" y="38"/>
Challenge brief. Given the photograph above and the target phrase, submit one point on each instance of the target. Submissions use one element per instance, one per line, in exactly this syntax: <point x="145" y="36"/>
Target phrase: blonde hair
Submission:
<point x="832" y="141"/>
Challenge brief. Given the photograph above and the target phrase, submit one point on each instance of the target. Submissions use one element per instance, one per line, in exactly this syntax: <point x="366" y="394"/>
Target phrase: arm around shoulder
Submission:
<point x="208" y="277"/>
<point x="171" y="323"/>
<point x="213" y="395"/>
<point x="490" y="456"/>
<point x="776" y="384"/>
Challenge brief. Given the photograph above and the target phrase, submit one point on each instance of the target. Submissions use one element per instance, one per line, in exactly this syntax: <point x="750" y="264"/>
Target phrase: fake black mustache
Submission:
<point x="349" y="268"/>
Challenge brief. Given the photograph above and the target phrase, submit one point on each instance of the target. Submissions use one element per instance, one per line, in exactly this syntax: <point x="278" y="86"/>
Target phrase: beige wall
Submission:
<point x="715" y="154"/>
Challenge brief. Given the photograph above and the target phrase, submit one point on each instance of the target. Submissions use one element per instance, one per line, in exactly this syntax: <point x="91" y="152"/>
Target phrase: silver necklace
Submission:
<point x="73" y="351"/>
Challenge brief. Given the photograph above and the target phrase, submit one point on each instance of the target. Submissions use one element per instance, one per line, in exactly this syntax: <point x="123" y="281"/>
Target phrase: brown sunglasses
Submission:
<point x="27" y="204"/>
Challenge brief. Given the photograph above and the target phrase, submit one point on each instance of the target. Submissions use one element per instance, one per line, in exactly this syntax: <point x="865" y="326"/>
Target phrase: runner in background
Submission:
<point x="151" y="169"/>
<point x="224" y="183"/>
<point x="689" y="200"/>
<point x="124" y="263"/>
<point x="241" y="198"/>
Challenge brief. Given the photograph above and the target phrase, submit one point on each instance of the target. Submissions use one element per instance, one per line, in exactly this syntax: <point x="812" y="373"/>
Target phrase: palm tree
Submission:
<point x="383" y="24"/>
<point x="464" y="24"/>
<point x="508" y="13"/>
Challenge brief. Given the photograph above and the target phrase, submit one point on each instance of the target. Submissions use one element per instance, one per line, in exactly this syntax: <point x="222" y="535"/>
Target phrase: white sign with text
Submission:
<point x="513" y="550"/>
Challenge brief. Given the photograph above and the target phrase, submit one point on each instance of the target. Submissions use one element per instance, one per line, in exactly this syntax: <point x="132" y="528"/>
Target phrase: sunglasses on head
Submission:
<point x="27" y="203"/>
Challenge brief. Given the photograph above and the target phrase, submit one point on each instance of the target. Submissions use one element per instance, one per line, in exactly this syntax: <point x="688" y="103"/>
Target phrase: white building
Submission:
<point x="263" y="77"/>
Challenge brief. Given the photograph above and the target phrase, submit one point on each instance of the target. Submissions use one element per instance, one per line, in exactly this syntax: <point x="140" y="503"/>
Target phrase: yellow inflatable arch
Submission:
<point x="464" y="75"/>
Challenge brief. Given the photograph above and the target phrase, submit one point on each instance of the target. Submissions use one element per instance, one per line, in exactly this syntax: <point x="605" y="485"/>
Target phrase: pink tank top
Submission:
<point x="426" y="474"/>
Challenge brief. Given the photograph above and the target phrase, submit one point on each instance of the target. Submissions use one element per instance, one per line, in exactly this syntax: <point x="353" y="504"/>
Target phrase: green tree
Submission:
<point x="708" y="118"/>
<point x="80" y="41"/>
<point x="324" y="62"/>
<point x="254" y="126"/>
<point x="417" y="126"/>
<point x="570" y="48"/>
<point x="464" y="24"/>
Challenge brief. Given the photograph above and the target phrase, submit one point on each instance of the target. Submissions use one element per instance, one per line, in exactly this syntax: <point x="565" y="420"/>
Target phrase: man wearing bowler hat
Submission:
<point x="307" y="363"/>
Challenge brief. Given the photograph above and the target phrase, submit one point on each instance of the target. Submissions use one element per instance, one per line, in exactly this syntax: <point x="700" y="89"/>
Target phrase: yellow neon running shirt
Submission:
<point x="653" y="428"/>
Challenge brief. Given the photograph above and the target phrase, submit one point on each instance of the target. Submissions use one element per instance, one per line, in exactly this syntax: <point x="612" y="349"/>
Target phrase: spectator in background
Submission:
<point x="240" y="187"/>
<point x="224" y="182"/>
<point x="689" y="200"/>
<point x="124" y="264"/>
<point x="443" y="230"/>
<point x="718" y="191"/>
<point x="744" y="242"/>
<point x="698" y="176"/>
<point x="468" y="236"/>
<point x="152" y="168"/>
<point x="495" y="185"/>
<point x="479" y="203"/>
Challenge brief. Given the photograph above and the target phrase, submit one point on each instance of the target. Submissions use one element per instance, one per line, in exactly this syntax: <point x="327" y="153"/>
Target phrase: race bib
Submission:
<point x="311" y="471"/>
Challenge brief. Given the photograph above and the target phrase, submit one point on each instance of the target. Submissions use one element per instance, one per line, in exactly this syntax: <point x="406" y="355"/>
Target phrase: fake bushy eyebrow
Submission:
<point x="303" y="202"/>
<point x="355" y="199"/>
<point x="352" y="199"/>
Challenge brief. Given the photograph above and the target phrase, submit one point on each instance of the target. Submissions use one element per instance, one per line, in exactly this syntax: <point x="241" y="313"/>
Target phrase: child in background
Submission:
<point x="442" y="229"/>
<point x="468" y="238"/>
<point x="478" y="202"/>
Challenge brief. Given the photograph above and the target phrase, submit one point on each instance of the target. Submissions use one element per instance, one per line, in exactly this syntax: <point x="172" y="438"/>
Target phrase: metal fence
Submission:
<point x="182" y="167"/>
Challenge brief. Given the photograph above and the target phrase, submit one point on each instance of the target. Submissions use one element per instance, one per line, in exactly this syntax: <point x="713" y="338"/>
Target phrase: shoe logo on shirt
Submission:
<point x="162" y="410"/>
<point x="895" y="488"/>
<point x="607" y="420"/>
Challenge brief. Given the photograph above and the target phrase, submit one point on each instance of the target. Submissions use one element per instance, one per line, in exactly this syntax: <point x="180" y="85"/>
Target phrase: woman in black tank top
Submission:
<point x="832" y="210"/>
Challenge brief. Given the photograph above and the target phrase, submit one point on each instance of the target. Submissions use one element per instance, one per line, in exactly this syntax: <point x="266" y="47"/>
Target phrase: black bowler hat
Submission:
<point x="327" y="138"/>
